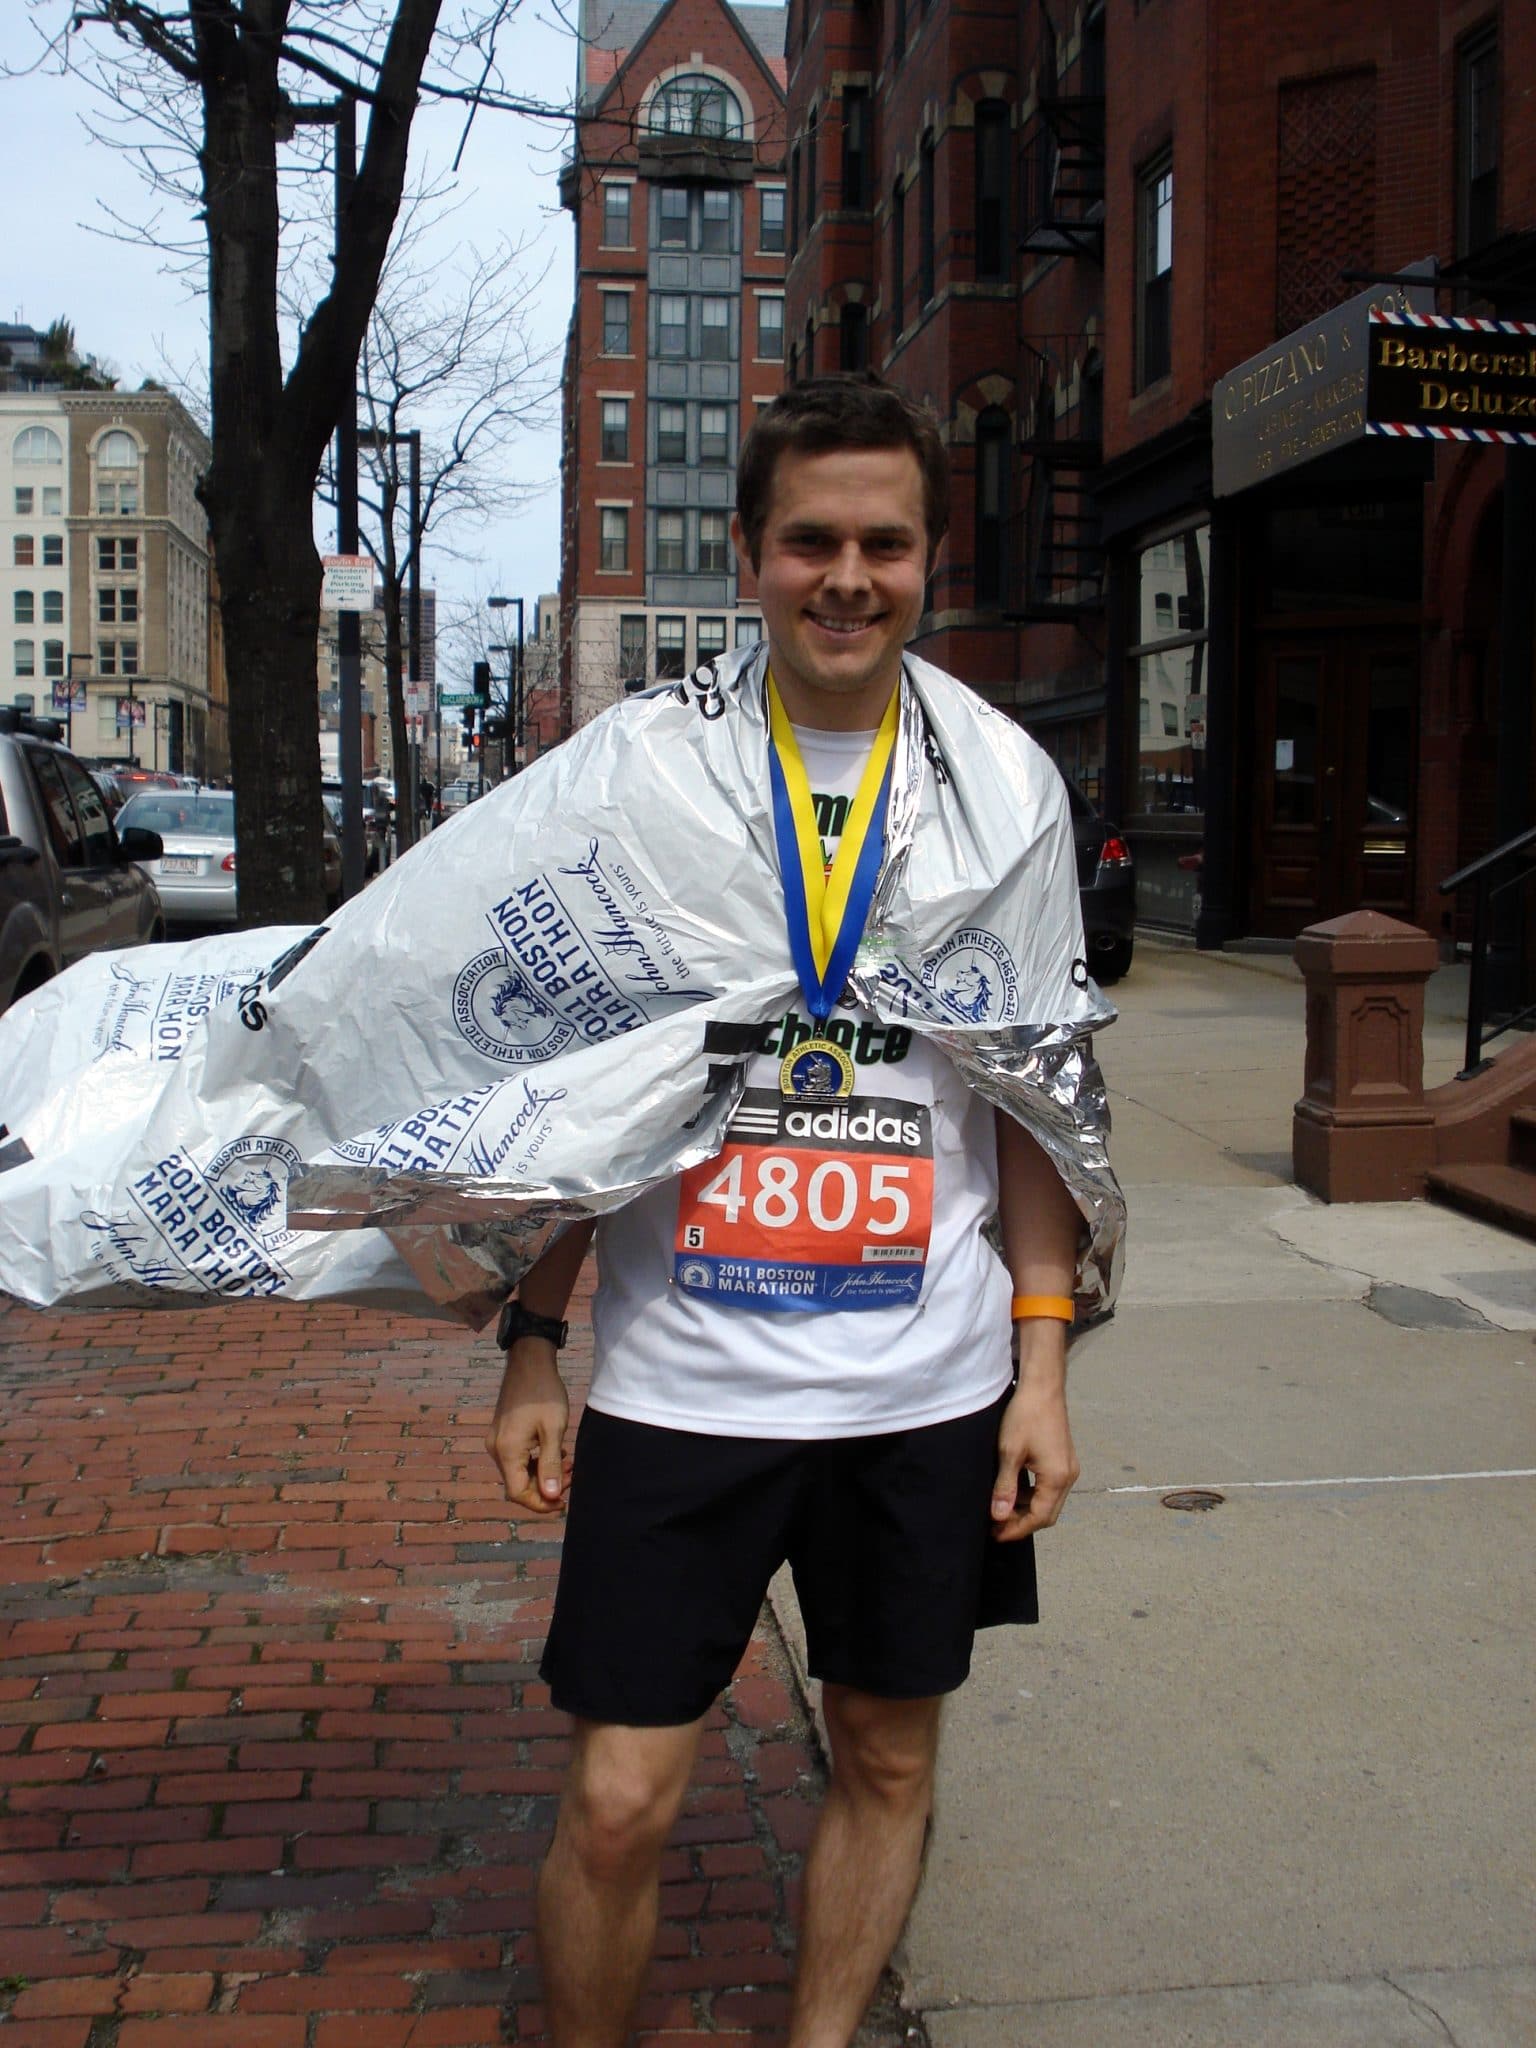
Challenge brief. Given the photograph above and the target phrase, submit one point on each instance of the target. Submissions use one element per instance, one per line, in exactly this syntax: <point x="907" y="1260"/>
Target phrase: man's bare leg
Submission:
<point x="864" y="1863"/>
<point x="598" y="1888"/>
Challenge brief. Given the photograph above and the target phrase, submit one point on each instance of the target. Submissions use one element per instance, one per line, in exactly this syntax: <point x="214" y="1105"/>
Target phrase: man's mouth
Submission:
<point x="847" y="626"/>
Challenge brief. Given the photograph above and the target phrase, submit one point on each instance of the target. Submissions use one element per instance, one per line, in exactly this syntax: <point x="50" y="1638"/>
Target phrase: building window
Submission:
<point x="671" y="433"/>
<point x="128" y="657"/>
<point x="21" y="551"/>
<point x="898" y="258"/>
<point x="24" y="608"/>
<point x="117" y="450"/>
<point x="615" y="323"/>
<point x="53" y="658"/>
<point x="1477" y="140"/>
<point x="53" y="607"/>
<point x="671" y="325"/>
<point x="992" y="437"/>
<point x="855" y="147"/>
<point x="747" y="630"/>
<point x="695" y="105"/>
<point x="615" y="430"/>
<point x="714" y="548"/>
<point x="24" y="498"/>
<point x="613" y="538"/>
<point x="1154" y="271"/>
<point x="114" y="555"/>
<point x="714" y="221"/>
<point x="116" y="501"/>
<point x="671" y="647"/>
<point x="53" y="500"/>
<point x="671" y="558"/>
<point x="715" y="331"/>
<point x="925" y="226"/>
<point x="672" y="217"/>
<point x="770" y="328"/>
<point x="812" y="195"/>
<point x="852" y="338"/>
<point x="53" y="550"/>
<point x="42" y="444"/>
<point x="770" y="220"/>
<point x="24" y="657"/>
<point x="106" y="657"/>
<point x="1172" y="579"/>
<point x="714" y="434"/>
<point x="632" y="646"/>
<point x="711" y="638"/>
<point x="616" y="204"/>
<point x="992" y="158"/>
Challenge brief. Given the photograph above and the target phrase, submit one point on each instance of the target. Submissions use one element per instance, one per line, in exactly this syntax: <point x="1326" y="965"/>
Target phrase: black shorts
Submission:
<point x="673" y="1536"/>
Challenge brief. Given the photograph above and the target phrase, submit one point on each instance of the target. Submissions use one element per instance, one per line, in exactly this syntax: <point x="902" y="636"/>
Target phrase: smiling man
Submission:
<point x="802" y="1347"/>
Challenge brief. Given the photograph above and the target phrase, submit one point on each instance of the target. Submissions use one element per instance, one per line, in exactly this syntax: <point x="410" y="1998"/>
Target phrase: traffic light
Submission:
<point x="481" y="679"/>
<point x="496" y="728"/>
<point x="468" y="716"/>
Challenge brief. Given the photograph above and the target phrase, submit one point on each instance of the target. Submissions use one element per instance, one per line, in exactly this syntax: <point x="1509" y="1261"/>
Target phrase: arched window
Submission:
<point x="992" y="431"/>
<point x="695" y="105"/>
<point x="117" y="450"/>
<point x="37" y="444"/>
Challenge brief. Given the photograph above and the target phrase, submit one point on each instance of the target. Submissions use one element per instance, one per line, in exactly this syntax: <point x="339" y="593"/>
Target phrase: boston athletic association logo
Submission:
<point x="497" y="1008"/>
<point x="974" y="977"/>
<point x="251" y="1178"/>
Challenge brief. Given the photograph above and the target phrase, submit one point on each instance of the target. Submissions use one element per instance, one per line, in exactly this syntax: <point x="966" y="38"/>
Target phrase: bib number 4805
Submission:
<point x="833" y="1196"/>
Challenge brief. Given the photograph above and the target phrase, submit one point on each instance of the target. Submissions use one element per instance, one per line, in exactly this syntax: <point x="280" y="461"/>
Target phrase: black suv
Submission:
<point x="68" y="884"/>
<point x="1106" y="888"/>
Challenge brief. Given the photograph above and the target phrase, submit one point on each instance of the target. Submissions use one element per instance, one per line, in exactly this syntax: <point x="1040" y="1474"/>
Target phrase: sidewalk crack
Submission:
<point x="1422" y="2005"/>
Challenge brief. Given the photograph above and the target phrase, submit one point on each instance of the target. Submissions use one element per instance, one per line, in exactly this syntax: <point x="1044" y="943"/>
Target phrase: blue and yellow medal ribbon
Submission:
<point x="826" y="912"/>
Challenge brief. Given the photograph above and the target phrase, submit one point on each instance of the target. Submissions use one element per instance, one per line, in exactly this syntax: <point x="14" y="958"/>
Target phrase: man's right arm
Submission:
<point x="527" y="1435"/>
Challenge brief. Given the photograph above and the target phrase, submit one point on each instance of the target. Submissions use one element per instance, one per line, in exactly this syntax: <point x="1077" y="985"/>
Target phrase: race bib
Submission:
<point x="810" y="1206"/>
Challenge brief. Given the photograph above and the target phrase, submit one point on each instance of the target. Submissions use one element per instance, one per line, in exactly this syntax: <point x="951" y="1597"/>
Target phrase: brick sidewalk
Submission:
<point x="277" y="1765"/>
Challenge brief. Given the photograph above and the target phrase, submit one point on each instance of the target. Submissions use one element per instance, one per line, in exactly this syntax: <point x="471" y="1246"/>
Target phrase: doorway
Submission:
<point x="1336" y="742"/>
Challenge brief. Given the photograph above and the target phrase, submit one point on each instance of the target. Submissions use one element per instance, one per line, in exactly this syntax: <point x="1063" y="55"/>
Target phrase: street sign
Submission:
<point x="347" y="585"/>
<point x="1304" y="395"/>
<point x="1434" y="378"/>
<point x="454" y="700"/>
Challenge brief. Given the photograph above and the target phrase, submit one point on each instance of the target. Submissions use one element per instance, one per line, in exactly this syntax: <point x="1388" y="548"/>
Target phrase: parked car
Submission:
<point x="376" y="818"/>
<point x="1106" y="887"/>
<point x="195" y="867"/>
<point x="455" y="796"/>
<point x="68" y="880"/>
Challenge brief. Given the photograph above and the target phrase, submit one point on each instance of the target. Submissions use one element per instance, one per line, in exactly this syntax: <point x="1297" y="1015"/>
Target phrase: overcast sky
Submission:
<point x="130" y="313"/>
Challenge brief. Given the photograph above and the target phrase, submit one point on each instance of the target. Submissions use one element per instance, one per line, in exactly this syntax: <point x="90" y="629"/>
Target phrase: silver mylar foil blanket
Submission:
<point x="545" y="1008"/>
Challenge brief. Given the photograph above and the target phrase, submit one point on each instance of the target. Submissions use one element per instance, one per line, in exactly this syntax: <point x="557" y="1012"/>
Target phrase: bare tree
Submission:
<point x="239" y="78"/>
<point x="449" y="355"/>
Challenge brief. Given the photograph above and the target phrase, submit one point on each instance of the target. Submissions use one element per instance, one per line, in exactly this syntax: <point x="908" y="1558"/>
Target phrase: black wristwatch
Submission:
<point x="517" y="1321"/>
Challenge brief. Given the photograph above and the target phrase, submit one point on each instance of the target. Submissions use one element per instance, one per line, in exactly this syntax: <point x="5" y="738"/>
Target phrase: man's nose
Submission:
<point x="848" y="572"/>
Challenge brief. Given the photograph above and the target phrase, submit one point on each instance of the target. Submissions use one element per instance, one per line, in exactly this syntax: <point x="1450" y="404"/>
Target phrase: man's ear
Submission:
<point x="934" y="554"/>
<point x="739" y="542"/>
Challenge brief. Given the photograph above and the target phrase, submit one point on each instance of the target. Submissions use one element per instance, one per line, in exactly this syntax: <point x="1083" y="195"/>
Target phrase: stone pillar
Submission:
<point x="1362" y="1131"/>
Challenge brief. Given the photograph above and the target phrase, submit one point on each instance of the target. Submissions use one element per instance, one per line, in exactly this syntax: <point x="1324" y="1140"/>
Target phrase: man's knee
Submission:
<point x="883" y="1748"/>
<point x="622" y="1797"/>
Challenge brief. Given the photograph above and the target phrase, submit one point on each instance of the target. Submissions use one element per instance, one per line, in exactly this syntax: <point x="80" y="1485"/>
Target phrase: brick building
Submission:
<point x="676" y="182"/>
<point x="1066" y="223"/>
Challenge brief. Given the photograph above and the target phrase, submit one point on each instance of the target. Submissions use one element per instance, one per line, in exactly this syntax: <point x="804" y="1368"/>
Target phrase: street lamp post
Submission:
<point x="515" y="677"/>
<point x="384" y="437"/>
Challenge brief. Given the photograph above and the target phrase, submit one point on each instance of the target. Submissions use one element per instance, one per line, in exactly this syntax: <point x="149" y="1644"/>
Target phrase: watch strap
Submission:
<point x="516" y="1321"/>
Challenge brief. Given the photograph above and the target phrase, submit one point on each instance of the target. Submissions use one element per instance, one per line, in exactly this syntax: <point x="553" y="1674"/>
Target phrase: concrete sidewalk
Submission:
<point x="1264" y="1773"/>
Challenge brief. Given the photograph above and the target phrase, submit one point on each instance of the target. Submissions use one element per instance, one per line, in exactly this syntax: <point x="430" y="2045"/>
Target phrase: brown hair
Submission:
<point x="856" y="409"/>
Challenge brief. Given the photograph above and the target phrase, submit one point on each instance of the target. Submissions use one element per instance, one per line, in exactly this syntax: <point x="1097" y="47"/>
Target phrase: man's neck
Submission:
<point x="821" y="710"/>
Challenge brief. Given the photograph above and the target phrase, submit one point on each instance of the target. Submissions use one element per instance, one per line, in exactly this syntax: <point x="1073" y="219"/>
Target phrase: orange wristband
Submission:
<point x="1059" y="1307"/>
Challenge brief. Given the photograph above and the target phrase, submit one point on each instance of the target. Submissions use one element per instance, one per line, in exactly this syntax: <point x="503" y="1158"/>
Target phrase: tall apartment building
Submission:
<point x="676" y="183"/>
<point x="1067" y="223"/>
<point x="105" y="576"/>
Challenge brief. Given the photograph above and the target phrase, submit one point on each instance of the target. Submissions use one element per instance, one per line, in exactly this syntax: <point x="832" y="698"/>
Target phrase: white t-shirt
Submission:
<point x="878" y="1200"/>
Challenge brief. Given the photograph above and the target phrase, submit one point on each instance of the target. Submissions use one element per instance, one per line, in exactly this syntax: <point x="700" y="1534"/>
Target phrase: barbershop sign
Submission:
<point x="1302" y="396"/>
<point x="1437" y="379"/>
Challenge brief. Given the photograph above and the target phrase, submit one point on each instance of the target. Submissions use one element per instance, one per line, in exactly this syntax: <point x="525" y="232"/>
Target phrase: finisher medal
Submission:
<point x="825" y="913"/>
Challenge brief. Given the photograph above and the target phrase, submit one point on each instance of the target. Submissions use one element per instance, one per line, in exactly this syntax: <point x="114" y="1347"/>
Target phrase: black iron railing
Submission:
<point x="1500" y="992"/>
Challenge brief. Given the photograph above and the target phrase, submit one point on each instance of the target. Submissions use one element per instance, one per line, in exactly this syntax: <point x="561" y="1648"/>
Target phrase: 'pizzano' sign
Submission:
<point x="1433" y="378"/>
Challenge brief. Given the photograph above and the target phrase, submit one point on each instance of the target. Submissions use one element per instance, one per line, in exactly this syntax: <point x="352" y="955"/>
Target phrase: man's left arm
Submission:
<point x="1040" y="1224"/>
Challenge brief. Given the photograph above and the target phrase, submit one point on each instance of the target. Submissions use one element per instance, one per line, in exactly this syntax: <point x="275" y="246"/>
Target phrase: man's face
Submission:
<point x="840" y="577"/>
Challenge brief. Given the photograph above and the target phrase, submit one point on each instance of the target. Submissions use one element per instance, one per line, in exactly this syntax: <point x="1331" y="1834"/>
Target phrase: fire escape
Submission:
<point x="1057" y="557"/>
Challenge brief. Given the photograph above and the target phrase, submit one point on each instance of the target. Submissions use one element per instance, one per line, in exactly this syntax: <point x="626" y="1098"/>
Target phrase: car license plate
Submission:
<point x="178" y="864"/>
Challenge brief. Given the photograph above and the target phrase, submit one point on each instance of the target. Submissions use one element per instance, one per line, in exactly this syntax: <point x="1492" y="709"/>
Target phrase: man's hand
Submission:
<point x="527" y="1437"/>
<point x="1035" y="1439"/>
